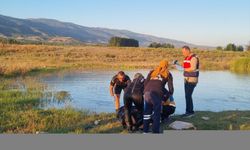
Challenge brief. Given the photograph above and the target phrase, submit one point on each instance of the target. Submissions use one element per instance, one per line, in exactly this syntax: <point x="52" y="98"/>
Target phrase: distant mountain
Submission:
<point x="50" y="30"/>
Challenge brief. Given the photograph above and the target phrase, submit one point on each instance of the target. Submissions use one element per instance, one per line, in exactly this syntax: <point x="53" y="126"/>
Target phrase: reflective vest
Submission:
<point x="187" y="64"/>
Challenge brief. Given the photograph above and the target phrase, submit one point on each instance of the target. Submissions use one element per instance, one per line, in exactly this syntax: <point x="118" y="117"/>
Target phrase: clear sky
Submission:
<point x="204" y="22"/>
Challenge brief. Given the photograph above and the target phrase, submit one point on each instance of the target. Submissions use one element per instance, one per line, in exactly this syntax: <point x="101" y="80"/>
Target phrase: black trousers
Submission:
<point x="189" y="89"/>
<point x="152" y="110"/>
<point x="129" y="99"/>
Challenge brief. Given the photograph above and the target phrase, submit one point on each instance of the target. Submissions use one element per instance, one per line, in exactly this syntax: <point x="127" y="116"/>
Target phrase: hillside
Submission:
<point x="46" y="29"/>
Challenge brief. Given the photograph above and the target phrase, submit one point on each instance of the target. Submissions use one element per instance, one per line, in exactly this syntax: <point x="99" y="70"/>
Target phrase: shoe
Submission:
<point x="130" y="130"/>
<point x="124" y="125"/>
<point x="187" y="115"/>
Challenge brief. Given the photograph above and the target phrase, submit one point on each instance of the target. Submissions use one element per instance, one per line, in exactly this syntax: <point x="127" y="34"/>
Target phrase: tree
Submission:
<point x="219" y="48"/>
<point x="233" y="47"/>
<point x="155" y="45"/>
<point x="123" y="42"/>
<point x="167" y="45"/>
<point x="240" y="48"/>
<point x="248" y="47"/>
<point x="230" y="47"/>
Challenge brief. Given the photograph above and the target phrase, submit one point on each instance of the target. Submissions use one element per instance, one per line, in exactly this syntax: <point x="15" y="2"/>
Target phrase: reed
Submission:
<point x="241" y="65"/>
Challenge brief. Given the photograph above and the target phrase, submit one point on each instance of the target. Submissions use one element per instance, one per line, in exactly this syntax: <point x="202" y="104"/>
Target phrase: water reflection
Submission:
<point x="216" y="91"/>
<point x="55" y="99"/>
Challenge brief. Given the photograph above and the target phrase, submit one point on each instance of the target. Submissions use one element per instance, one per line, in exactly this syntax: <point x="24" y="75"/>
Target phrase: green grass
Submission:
<point x="21" y="113"/>
<point x="226" y="120"/>
<point x="241" y="65"/>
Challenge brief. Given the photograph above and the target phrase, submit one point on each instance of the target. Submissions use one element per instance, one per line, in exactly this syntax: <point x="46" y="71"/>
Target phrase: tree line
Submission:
<point x="161" y="45"/>
<point x="9" y="41"/>
<point x="123" y="42"/>
<point x="233" y="47"/>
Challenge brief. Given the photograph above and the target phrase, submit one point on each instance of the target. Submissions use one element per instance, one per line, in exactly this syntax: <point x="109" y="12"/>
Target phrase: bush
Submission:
<point x="9" y="41"/>
<point x="159" y="45"/>
<point x="123" y="42"/>
<point x="219" y="48"/>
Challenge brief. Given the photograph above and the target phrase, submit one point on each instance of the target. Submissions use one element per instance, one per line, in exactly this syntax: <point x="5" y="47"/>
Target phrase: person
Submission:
<point x="136" y="117"/>
<point x="154" y="90"/>
<point x="168" y="108"/>
<point x="191" y="74"/>
<point x="133" y="94"/>
<point x="118" y="83"/>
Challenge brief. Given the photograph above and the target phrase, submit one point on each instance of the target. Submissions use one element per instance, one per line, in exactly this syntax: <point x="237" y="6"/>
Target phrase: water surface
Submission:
<point x="216" y="90"/>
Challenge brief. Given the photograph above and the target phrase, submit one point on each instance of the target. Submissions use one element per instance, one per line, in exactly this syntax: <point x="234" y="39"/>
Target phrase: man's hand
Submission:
<point x="175" y="62"/>
<point x="112" y="94"/>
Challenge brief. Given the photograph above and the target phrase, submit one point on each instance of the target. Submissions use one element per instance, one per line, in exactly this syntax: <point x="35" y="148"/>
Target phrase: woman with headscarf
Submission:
<point x="154" y="92"/>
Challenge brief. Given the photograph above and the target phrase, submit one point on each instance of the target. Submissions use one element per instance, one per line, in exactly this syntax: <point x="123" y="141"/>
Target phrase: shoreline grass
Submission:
<point x="241" y="65"/>
<point x="20" y="113"/>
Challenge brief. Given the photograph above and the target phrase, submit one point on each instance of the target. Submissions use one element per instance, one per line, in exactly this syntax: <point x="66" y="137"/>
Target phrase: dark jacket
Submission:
<point x="135" y="89"/>
<point x="158" y="86"/>
<point x="116" y="82"/>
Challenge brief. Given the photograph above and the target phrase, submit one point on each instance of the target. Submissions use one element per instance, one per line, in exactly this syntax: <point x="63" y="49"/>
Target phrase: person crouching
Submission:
<point x="133" y="94"/>
<point x="154" y="88"/>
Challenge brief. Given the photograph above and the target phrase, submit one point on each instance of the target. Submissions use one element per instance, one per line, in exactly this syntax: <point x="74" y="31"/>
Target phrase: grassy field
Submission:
<point x="28" y="59"/>
<point x="20" y="112"/>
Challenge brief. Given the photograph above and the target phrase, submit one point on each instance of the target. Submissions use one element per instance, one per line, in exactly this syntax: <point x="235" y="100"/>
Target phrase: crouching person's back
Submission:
<point x="133" y="94"/>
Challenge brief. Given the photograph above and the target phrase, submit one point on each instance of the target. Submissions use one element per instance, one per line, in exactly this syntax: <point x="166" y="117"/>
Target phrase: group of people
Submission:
<point x="149" y="99"/>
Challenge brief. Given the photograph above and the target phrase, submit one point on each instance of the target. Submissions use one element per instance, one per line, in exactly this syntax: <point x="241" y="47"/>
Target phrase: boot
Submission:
<point x="130" y="129"/>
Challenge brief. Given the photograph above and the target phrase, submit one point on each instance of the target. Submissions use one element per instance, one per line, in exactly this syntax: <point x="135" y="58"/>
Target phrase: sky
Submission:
<point x="202" y="22"/>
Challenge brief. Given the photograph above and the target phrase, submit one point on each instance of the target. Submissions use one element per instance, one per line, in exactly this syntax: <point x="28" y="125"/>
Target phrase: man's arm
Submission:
<point x="111" y="87"/>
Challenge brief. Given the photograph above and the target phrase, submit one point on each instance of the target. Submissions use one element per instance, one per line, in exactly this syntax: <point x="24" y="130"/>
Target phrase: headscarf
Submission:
<point x="161" y="70"/>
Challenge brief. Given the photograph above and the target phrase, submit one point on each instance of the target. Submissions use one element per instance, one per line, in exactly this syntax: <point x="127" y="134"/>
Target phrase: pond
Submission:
<point x="216" y="90"/>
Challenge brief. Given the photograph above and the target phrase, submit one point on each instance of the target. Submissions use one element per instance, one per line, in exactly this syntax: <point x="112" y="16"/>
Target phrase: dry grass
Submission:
<point x="23" y="59"/>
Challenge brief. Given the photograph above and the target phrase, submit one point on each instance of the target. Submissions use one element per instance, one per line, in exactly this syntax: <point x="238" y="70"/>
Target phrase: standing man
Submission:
<point x="191" y="74"/>
<point x="118" y="83"/>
